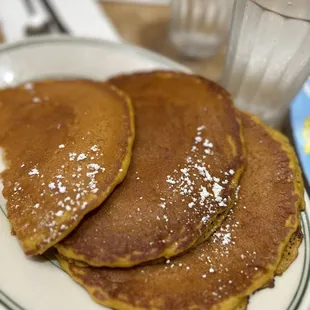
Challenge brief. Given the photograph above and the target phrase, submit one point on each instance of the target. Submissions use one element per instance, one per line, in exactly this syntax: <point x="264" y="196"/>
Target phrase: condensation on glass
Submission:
<point x="268" y="57"/>
<point x="199" y="27"/>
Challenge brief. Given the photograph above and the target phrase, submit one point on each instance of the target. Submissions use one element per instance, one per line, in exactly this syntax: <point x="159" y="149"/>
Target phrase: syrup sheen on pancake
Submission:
<point x="241" y="257"/>
<point x="67" y="145"/>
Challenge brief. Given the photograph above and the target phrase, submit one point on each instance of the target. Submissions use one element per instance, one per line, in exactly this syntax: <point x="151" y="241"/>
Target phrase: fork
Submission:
<point x="39" y="21"/>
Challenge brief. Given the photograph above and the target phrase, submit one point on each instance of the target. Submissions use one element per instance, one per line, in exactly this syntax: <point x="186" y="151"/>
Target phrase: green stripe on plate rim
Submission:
<point x="295" y="303"/>
<point x="305" y="277"/>
<point x="10" y="304"/>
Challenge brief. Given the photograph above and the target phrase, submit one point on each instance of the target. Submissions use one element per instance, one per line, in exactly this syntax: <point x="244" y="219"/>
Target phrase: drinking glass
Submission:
<point x="199" y="27"/>
<point x="268" y="58"/>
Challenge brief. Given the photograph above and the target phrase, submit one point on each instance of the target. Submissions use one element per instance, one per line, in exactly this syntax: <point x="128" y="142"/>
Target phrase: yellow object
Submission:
<point x="306" y="135"/>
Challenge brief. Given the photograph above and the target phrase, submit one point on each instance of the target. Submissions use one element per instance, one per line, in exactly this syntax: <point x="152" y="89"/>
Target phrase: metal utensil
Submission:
<point x="87" y="19"/>
<point x="39" y="21"/>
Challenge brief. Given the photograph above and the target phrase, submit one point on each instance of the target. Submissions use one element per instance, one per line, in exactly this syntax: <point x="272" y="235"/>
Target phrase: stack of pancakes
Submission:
<point x="208" y="209"/>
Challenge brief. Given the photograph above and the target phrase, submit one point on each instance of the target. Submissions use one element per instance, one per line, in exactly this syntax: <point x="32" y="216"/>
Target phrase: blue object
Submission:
<point x="300" y="126"/>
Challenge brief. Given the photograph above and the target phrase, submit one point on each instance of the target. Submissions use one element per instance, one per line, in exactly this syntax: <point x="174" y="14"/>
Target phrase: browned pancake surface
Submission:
<point x="187" y="159"/>
<point x="67" y="144"/>
<point x="238" y="259"/>
<point x="290" y="252"/>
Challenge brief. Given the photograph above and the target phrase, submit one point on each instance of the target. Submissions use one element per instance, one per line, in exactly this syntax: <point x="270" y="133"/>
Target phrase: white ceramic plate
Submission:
<point x="39" y="283"/>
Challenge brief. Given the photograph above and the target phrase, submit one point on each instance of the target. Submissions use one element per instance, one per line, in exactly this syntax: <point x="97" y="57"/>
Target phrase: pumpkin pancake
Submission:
<point x="238" y="259"/>
<point x="290" y="253"/>
<point x="242" y="305"/>
<point x="188" y="157"/>
<point x="67" y="145"/>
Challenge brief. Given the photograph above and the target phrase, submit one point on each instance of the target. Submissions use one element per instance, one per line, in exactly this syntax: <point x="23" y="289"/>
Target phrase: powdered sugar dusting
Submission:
<point x="71" y="187"/>
<point x="34" y="171"/>
<point x="213" y="254"/>
<point x="72" y="156"/>
<point x="52" y="185"/>
<point x="185" y="181"/>
<point x="81" y="156"/>
<point x="28" y="86"/>
<point x="94" y="148"/>
<point x="36" y="100"/>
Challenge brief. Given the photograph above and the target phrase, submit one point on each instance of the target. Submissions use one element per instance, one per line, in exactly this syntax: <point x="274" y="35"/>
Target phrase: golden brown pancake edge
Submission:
<point x="289" y="255"/>
<point x="95" y="254"/>
<point x="36" y="242"/>
<point x="119" y="288"/>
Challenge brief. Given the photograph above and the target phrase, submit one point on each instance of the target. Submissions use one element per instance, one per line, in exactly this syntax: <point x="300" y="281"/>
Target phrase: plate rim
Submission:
<point x="93" y="41"/>
<point x="5" y="300"/>
<point x="304" y="282"/>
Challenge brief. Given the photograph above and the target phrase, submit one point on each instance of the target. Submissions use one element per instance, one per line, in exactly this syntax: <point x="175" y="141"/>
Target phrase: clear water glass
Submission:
<point x="199" y="27"/>
<point x="268" y="57"/>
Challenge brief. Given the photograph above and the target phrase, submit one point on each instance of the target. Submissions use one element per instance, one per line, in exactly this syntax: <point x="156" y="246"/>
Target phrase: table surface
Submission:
<point x="147" y="26"/>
